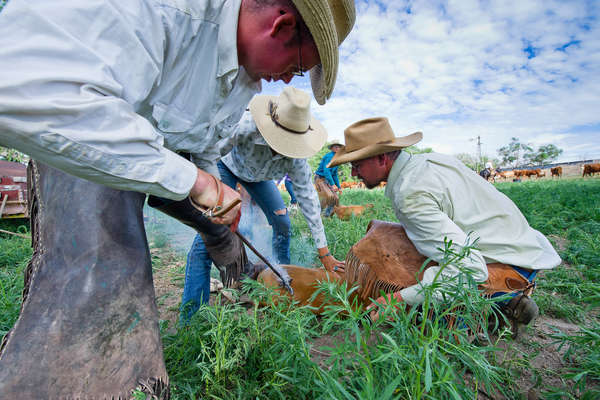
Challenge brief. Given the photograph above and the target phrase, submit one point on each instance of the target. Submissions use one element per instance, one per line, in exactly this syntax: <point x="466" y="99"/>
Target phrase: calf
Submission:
<point x="383" y="260"/>
<point x="591" y="169"/>
<point x="345" y="212"/>
<point x="556" y="171"/>
<point x="505" y="174"/>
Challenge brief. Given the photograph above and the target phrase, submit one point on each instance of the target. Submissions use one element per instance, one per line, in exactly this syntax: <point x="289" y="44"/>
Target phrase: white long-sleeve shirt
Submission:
<point x="436" y="197"/>
<point x="109" y="90"/>
<point x="251" y="160"/>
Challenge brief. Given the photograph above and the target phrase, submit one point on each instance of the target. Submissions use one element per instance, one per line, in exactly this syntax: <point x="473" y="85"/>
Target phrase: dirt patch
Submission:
<point x="536" y="358"/>
<point x="168" y="283"/>
<point x="169" y="276"/>
<point x="559" y="243"/>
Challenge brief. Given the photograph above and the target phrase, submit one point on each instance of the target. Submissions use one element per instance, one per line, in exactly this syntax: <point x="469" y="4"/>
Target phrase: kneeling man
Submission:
<point x="435" y="197"/>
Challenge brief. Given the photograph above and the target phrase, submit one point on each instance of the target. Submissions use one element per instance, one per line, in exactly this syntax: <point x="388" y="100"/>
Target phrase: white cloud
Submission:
<point x="457" y="69"/>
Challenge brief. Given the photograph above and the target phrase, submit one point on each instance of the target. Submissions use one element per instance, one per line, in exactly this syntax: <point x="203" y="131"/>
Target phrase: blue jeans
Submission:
<point x="196" y="289"/>
<point x="290" y="189"/>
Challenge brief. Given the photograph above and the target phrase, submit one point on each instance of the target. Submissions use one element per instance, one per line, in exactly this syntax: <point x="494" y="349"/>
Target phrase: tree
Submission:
<point x="12" y="155"/>
<point x="513" y="153"/>
<point x="544" y="155"/>
<point x="471" y="161"/>
<point x="415" y="150"/>
<point x="468" y="159"/>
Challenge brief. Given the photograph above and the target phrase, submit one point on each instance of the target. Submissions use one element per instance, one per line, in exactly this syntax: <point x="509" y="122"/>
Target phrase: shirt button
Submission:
<point x="164" y="124"/>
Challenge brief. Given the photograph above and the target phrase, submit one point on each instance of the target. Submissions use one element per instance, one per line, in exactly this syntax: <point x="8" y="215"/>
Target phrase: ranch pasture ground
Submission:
<point x="236" y="351"/>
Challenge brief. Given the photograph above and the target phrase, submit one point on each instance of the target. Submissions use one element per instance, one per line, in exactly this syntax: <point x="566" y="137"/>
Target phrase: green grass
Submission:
<point x="14" y="255"/>
<point x="285" y="352"/>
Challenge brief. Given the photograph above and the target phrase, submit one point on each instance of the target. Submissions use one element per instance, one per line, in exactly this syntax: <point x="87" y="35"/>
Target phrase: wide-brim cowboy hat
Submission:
<point x="371" y="137"/>
<point x="286" y="124"/>
<point x="329" y="22"/>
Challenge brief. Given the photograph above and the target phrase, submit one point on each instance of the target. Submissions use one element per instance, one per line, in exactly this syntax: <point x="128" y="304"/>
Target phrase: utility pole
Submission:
<point x="478" y="138"/>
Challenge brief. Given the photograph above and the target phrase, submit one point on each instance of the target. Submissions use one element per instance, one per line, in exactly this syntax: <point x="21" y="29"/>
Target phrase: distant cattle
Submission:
<point x="352" y="185"/>
<point x="522" y="173"/>
<point x="556" y="171"/>
<point x="505" y="174"/>
<point x="345" y="212"/>
<point x="591" y="169"/>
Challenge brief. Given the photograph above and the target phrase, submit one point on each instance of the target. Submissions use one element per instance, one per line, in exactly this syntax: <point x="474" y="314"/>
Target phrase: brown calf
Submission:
<point x="591" y="169"/>
<point x="505" y="174"/>
<point x="345" y="212"/>
<point x="384" y="260"/>
<point x="556" y="171"/>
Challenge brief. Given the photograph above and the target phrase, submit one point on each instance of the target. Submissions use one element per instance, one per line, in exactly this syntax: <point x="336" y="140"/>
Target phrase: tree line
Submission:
<point x="514" y="154"/>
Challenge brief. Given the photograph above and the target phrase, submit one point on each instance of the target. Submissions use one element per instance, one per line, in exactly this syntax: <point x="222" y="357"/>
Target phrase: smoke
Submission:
<point x="255" y="227"/>
<point x="164" y="231"/>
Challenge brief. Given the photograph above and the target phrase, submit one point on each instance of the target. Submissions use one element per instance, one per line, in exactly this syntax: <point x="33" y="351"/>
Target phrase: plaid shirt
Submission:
<point x="251" y="160"/>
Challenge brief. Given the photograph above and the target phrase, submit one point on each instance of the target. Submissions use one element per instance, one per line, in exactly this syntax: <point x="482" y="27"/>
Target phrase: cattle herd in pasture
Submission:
<point x="519" y="174"/>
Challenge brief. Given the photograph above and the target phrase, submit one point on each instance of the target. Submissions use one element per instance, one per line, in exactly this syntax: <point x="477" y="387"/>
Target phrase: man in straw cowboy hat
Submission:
<point x="274" y="138"/>
<point x="327" y="181"/>
<point x="111" y="91"/>
<point x="435" y="197"/>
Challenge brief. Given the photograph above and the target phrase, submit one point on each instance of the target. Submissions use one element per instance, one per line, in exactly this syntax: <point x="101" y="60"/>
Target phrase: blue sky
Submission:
<point x="462" y="68"/>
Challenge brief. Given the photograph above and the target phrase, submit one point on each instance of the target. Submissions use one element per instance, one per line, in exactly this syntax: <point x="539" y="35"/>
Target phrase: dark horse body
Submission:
<point x="485" y="174"/>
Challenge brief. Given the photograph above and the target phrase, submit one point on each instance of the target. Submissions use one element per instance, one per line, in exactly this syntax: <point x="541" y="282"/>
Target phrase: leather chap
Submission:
<point x="88" y="326"/>
<point x="225" y="248"/>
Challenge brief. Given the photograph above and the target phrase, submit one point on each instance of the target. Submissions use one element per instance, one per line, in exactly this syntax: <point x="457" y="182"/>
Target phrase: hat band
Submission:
<point x="275" y="119"/>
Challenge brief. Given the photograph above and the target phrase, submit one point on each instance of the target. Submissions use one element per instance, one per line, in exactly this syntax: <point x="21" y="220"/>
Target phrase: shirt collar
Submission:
<point x="227" y="42"/>
<point x="397" y="169"/>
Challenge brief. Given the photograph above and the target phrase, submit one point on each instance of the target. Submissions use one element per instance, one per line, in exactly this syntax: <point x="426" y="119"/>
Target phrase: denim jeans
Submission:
<point x="196" y="289"/>
<point x="290" y="189"/>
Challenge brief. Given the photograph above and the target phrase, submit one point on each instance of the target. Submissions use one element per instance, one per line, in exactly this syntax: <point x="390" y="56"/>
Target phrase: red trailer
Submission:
<point x="13" y="190"/>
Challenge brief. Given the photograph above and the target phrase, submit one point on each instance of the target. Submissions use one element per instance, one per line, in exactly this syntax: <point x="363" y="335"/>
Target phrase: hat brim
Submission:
<point x="290" y="144"/>
<point x="342" y="156"/>
<point x="318" y="19"/>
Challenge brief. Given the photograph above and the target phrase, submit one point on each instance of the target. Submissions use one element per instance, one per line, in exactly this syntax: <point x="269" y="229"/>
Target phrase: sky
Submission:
<point x="459" y="69"/>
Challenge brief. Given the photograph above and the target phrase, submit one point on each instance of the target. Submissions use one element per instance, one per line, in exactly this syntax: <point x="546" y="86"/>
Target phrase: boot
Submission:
<point x="88" y="327"/>
<point x="225" y="248"/>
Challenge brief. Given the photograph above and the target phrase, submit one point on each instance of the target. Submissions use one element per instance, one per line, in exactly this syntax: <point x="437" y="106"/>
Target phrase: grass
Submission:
<point x="281" y="351"/>
<point x="14" y="255"/>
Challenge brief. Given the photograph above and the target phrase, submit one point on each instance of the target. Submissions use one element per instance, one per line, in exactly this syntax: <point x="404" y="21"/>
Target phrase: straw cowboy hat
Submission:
<point x="329" y="22"/>
<point x="286" y="124"/>
<point x="371" y="137"/>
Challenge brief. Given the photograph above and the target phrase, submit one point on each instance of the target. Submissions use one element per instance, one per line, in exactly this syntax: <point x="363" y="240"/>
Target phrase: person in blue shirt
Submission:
<point x="327" y="181"/>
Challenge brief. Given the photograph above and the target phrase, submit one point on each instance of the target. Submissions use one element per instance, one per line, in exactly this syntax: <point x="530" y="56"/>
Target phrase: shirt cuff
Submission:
<point x="413" y="295"/>
<point x="177" y="177"/>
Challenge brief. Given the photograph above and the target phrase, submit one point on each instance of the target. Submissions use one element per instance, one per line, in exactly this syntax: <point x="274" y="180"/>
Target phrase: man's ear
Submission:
<point x="284" y="25"/>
